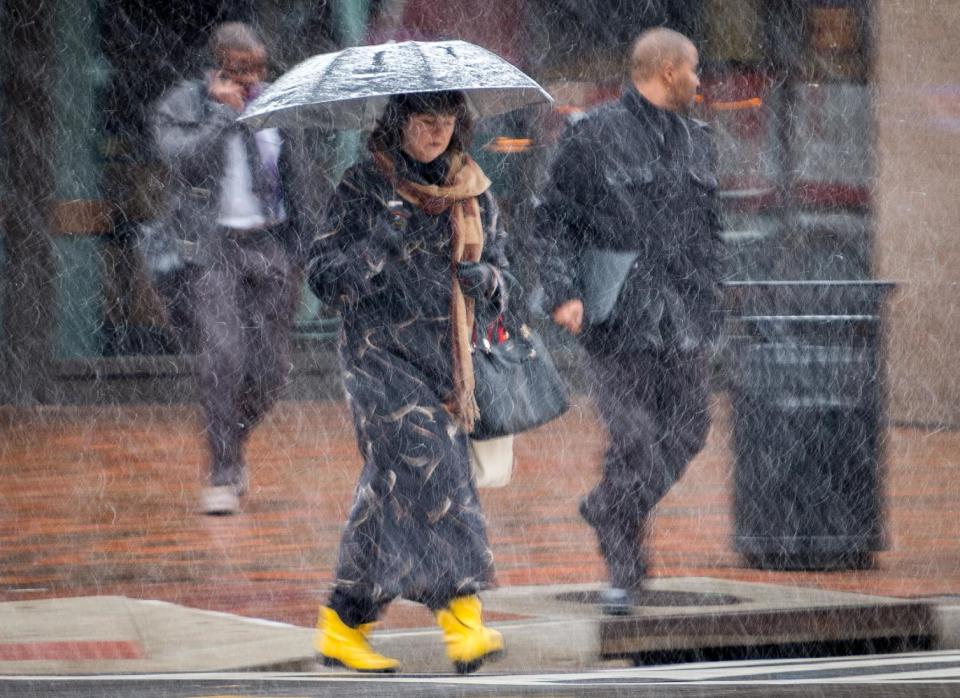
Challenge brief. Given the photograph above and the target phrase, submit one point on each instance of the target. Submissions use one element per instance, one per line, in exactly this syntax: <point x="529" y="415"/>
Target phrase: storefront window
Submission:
<point x="786" y="86"/>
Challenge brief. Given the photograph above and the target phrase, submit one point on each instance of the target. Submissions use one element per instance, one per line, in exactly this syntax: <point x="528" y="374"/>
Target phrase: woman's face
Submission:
<point x="427" y="136"/>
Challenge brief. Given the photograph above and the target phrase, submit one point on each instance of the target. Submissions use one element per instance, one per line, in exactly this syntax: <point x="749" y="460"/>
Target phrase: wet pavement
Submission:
<point x="895" y="676"/>
<point x="545" y="628"/>
<point x="101" y="502"/>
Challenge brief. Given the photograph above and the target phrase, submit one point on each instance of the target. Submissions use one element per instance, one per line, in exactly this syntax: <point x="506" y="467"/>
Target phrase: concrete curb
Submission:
<point x="551" y="628"/>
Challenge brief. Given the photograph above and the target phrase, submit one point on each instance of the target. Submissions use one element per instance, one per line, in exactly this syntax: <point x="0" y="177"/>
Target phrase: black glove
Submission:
<point x="386" y="240"/>
<point x="477" y="279"/>
<point x="338" y="278"/>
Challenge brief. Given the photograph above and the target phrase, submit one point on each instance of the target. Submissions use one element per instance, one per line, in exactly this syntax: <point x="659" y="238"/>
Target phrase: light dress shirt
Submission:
<point x="240" y="206"/>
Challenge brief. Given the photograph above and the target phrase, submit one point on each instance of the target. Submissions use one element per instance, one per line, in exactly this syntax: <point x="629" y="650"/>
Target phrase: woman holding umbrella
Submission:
<point x="412" y="242"/>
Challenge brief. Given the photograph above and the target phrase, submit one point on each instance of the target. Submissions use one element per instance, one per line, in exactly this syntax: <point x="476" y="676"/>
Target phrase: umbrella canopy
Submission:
<point x="347" y="89"/>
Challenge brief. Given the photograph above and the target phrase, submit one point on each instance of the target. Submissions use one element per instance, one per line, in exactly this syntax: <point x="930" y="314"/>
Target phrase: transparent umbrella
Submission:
<point x="347" y="89"/>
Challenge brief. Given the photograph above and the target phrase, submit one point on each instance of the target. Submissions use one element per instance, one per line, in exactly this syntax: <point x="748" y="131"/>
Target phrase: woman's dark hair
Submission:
<point x="388" y="134"/>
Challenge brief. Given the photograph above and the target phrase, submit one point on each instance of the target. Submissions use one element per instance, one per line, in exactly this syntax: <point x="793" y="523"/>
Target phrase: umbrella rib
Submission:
<point x="425" y="63"/>
<point x="340" y="57"/>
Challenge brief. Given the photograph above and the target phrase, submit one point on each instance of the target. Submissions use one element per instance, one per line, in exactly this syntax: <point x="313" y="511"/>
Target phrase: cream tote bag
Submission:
<point x="492" y="461"/>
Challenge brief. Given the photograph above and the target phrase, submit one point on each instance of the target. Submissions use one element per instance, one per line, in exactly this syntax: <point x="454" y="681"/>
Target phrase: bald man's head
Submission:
<point x="663" y="66"/>
<point x="655" y="47"/>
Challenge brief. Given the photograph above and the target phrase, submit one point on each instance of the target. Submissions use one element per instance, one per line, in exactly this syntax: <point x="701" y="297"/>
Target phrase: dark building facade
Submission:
<point x="789" y="85"/>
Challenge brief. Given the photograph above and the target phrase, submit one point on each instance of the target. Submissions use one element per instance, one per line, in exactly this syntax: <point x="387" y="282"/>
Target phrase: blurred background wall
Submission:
<point x="917" y="203"/>
<point x="837" y="123"/>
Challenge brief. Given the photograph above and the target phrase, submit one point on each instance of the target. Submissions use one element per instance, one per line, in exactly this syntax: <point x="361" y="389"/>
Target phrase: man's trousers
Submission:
<point x="241" y="306"/>
<point x="654" y="405"/>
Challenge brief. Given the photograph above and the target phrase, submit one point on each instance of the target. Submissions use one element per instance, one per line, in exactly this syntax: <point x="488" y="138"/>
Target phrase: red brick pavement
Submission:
<point x="102" y="501"/>
<point x="70" y="650"/>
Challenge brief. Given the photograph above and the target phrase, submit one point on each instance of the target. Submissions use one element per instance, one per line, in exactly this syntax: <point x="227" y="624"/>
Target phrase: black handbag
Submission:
<point x="517" y="384"/>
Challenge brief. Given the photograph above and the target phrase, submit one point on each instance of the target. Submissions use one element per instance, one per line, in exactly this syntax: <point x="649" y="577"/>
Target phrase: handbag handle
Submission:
<point x="493" y="317"/>
<point x="494" y="332"/>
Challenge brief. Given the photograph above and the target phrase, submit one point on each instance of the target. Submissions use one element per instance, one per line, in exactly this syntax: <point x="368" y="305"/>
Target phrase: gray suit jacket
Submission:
<point x="189" y="131"/>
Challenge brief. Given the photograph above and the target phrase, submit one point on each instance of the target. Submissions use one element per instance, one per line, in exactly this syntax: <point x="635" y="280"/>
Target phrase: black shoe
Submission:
<point x="588" y="514"/>
<point x="618" y="602"/>
<point x="614" y="601"/>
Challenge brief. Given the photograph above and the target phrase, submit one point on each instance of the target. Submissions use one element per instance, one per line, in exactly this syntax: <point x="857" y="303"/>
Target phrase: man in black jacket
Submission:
<point x="238" y="211"/>
<point x="630" y="215"/>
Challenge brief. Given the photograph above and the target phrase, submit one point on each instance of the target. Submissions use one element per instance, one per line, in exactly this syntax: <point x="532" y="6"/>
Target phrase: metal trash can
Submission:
<point x="806" y="380"/>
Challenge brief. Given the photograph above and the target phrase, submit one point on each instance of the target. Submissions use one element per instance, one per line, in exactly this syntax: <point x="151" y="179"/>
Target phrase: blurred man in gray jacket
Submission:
<point x="239" y="207"/>
<point x="632" y="265"/>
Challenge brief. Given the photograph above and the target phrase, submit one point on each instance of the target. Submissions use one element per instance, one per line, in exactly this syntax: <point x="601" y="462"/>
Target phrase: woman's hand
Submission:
<point x="478" y="280"/>
<point x="386" y="241"/>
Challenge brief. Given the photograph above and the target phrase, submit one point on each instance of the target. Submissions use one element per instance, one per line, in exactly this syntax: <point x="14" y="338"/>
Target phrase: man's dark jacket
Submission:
<point x="629" y="176"/>
<point x="190" y="131"/>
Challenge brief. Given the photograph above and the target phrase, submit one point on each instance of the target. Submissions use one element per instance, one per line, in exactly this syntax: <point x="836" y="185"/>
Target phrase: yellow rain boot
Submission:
<point x="340" y="645"/>
<point x="468" y="641"/>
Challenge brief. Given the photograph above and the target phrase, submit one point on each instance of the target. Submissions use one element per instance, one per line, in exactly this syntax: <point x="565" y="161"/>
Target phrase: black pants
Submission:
<point x="240" y="310"/>
<point x="356" y="610"/>
<point x="654" y="406"/>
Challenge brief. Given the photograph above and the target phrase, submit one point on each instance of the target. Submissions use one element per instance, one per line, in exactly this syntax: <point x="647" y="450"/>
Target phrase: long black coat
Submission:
<point x="415" y="528"/>
<point x="630" y="176"/>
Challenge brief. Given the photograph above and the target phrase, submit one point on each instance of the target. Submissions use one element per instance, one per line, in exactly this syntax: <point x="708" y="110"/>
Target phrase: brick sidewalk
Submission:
<point x="97" y="501"/>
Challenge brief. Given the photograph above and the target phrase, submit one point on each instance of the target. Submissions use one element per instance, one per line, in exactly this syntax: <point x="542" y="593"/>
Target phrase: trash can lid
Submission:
<point x="805" y="298"/>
